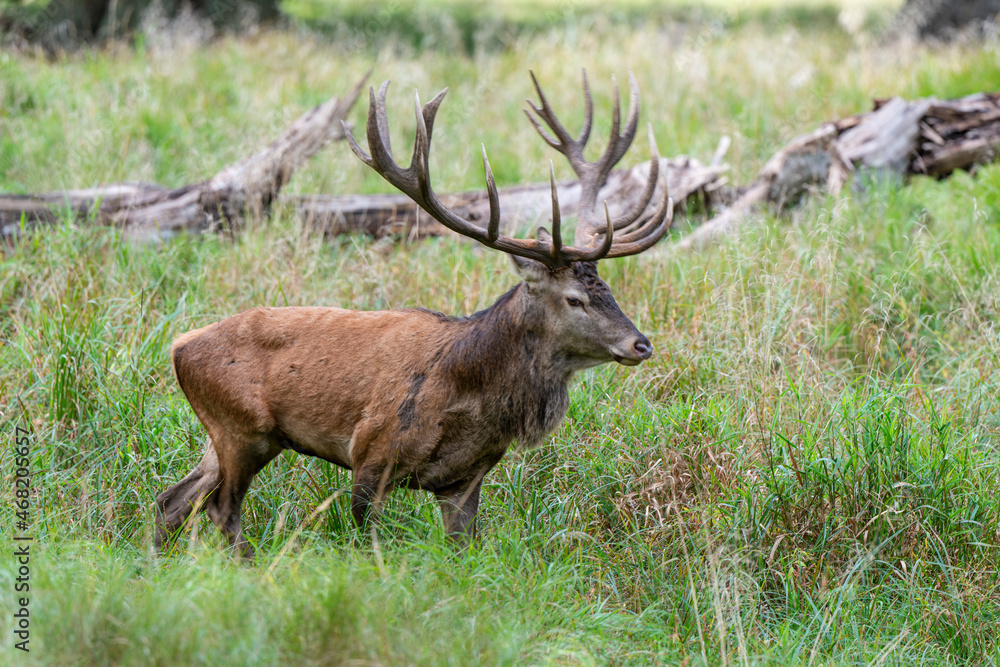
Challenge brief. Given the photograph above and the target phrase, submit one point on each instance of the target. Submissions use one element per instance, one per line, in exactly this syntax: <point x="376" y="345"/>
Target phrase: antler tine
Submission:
<point x="556" y="217"/>
<point x="650" y="232"/>
<point x="546" y="137"/>
<point x="419" y="163"/>
<point x="382" y="119"/>
<point x="565" y="142"/>
<point x="606" y="245"/>
<point x="376" y="141"/>
<point x="425" y="128"/>
<point x="562" y="141"/>
<point x="576" y="254"/>
<point x="620" y="142"/>
<point x="632" y="123"/>
<point x="616" y="122"/>
<point x="588" y="114"/>
<point x="363" y="156"/>
<point x="493" y="228"/>
<point x="647" y="194"/>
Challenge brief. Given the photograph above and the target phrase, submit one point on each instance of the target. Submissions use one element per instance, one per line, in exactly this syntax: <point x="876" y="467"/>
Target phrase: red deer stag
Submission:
<point x="411" y="397"/>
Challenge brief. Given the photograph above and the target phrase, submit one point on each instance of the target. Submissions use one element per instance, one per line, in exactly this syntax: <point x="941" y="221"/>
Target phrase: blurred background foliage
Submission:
<point x="62" y="24"/>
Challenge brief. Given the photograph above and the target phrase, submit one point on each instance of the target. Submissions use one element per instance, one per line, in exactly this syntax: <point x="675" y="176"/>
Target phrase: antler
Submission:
<point x="414" y="181"/>
<point x="593" y="175"/>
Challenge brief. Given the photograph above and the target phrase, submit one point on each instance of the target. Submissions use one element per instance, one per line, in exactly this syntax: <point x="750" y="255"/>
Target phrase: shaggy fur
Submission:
<point x="400" y="397"/>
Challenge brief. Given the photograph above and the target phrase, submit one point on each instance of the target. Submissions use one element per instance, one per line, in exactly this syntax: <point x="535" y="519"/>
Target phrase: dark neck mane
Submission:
<point x="502" y="355"/>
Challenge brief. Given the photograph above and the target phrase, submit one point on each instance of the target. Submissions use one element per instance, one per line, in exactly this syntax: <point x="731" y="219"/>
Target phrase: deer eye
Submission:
<point x="574" y="302"/>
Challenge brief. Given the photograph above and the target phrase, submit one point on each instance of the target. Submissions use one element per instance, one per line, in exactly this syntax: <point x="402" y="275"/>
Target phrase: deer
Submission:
<point x="409" y="397"/>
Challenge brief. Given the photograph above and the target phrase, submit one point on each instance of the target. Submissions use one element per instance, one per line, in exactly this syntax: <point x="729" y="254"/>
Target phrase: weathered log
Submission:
<point x="886" y="137"/>
<point x="48" y="207"/>
<point x="958" y="135"/>
<point x="805" y="162"/>
<point x="928" y="136"/>
<point x="521" y="205"/>
<point x="148" y="212"/>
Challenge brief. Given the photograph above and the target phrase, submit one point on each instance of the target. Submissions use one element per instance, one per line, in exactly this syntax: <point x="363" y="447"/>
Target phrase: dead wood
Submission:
<point x="521" y="205"/>
<point x="928" y="136"/>
<point x="149" y="212"/>
<point x="805" y="162"/>
<point x="958" y="135"/>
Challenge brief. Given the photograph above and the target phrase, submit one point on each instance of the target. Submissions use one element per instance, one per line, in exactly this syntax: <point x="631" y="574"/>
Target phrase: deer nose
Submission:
<point x="643" y="347"/>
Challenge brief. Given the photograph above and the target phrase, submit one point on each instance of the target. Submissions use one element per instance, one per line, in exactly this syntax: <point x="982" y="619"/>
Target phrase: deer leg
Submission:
<point x="238" y="466"/>
<point x="216" y="485"/>
<point x="371" y="485"/>
<point x="174" y="505"/>
<point x="459" y="513"/>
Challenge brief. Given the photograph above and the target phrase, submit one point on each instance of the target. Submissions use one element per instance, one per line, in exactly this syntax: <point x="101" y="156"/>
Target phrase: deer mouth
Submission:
<point x="640" y="351"/>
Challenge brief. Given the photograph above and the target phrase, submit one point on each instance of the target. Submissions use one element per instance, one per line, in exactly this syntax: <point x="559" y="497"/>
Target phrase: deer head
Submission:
<point x="573" y="302"/>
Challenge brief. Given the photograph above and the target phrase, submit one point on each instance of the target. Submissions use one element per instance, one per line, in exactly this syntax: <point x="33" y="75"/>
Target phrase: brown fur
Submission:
<point x="400" y="397"/>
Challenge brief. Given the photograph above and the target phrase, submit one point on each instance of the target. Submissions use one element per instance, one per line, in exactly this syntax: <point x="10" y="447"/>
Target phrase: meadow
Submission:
<point x="806" y="472"/>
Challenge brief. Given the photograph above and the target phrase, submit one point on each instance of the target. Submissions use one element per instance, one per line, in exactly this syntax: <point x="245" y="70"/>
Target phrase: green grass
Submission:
<point x="807" y="470"/>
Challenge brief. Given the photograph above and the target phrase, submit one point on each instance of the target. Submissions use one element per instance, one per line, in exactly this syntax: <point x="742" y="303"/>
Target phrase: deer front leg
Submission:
<point x="459" y="512"/>
<point x="371" y="486"/>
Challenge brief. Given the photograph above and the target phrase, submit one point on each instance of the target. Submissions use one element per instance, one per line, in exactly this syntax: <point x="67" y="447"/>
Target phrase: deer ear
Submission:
<point x="531" y="271"/>
<point x="543" y="235"/>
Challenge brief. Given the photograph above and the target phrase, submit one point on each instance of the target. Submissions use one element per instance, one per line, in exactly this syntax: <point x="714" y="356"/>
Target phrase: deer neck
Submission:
<point x="514" y="333"/>
<point x="504" y="353"/>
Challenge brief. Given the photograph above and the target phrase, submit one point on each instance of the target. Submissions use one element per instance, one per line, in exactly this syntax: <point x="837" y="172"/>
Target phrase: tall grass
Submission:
<point x="807" y="470"/>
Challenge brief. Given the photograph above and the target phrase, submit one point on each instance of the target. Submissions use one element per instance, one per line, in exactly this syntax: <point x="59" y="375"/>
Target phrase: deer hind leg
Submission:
<point x="218" y="485"/>
<point x="174" y="505"/>
<point x="238" y="466"/>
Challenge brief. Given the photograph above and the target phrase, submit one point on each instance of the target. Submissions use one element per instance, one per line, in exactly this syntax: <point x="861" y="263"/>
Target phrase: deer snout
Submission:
<point x="640" y="350"/>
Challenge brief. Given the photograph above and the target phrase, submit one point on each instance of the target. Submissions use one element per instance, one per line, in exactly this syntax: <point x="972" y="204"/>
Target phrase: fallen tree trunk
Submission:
<point x="927" y="136"/>
<point x="958" y="135"/>
<point x="922" y="137"/>
<point x="149" y="212"/>
<point x="521" y="205"/>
